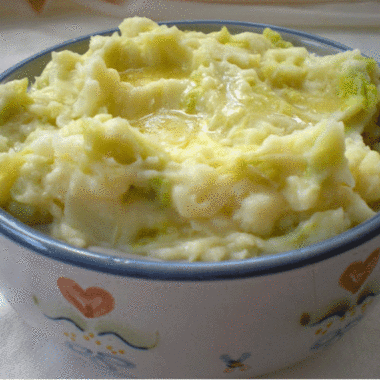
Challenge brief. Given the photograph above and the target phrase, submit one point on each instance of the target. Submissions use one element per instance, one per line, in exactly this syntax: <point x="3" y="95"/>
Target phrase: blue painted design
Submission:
<point x="333" y="336"/>
<point x="235" y="364"/>
<point x="65" y="319"/>
<point x="341" y="317"/>
<point x="143" y="348"/>
<point x="127" y="343"/>
<point x="113" y="363"/>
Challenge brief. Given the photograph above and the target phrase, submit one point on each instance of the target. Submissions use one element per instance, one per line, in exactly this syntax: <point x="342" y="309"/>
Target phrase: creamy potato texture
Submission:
<point x="191" y="146"/>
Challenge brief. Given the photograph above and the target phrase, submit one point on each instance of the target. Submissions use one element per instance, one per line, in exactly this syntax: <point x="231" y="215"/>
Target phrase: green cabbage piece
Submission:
<point x="162" y="188"/>
<point x="355" y="83"/>
<point x="276" y="39"/>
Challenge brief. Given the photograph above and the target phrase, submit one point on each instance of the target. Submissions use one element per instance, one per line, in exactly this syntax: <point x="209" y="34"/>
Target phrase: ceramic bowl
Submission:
<point x="199" y="320"/>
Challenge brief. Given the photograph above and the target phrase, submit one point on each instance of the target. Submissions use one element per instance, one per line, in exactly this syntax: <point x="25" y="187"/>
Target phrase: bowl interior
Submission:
<point x="135" y="267"/>
<point x="33" y="66"/>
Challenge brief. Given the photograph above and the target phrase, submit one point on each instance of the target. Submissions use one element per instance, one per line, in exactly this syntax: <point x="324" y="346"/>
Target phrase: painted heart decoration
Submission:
<point x="357" y="273"/>
<point x="92" y="302"/>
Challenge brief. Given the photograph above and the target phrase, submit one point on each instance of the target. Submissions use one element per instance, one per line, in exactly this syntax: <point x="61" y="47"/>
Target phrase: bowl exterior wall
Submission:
<point x="224" y="328"/>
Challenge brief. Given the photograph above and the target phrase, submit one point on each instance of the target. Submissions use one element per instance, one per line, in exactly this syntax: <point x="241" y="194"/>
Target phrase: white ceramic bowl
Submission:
<point x="170" y="319"/>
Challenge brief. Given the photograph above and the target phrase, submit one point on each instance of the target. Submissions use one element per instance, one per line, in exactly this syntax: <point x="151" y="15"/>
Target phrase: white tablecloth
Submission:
<point x="25" y="352"/>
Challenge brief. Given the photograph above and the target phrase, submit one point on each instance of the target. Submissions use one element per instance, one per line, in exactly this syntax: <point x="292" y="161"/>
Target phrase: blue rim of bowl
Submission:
<point x="29" y="238"/>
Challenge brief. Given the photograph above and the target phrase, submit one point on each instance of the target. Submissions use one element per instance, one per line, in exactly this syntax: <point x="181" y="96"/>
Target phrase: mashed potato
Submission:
<point x="191" y="146"/>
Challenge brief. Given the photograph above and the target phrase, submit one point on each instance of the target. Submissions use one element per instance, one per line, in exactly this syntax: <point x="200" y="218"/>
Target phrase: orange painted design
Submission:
<point x="366" y="305"/>
<point x="92" y="302"/>
<point x="37" y="5"/>
<point x="357" y="273"/>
